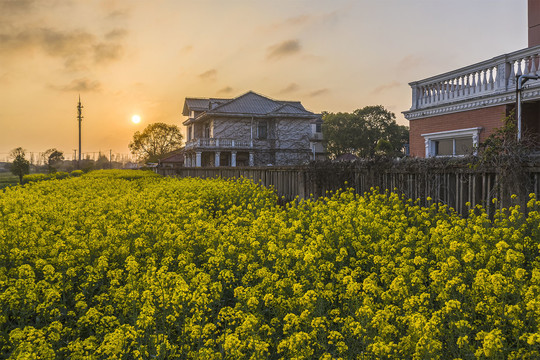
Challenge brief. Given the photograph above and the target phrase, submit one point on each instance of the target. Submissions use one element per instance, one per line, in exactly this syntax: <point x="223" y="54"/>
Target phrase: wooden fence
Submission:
<point x="460" y="187"/>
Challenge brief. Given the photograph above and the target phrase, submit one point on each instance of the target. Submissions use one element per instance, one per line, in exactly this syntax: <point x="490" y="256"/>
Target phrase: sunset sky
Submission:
<point x="127" y="57"/>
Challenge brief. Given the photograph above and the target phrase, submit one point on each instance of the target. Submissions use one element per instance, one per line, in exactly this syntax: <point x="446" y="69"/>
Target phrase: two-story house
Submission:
<point x="250" y="130"/>
<point x="452" y="113"/>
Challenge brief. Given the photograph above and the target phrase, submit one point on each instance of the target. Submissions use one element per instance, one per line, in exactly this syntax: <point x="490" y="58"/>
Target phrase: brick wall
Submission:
<point x="487" y="118"/>
<point x="534" y="22"/>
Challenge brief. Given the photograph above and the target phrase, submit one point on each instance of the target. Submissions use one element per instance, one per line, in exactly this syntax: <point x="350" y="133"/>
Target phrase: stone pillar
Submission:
<point x="251" y="158"/>
<point x="216" y="160"/>
<point x="233" y="158"/>
<point x="198" y="159"/>
<point x="415" y="93"/>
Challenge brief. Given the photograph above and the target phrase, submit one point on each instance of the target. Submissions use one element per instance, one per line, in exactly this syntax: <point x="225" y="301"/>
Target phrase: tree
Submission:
<point x="102" y="162"/>
<point x="361" y="131"/>
<point x="53" y="157"/>
<point x="156" y="140"/>
<point x="20" y="166"/>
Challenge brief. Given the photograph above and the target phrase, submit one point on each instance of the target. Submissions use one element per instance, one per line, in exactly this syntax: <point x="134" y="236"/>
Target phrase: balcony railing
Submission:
<point x="315" y="136"/>
<point x="215" y="143"/>
<point x="487" y="78"/>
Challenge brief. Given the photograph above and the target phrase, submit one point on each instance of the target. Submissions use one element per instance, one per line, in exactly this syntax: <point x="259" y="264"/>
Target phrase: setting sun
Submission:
<point x="135" y="119"/>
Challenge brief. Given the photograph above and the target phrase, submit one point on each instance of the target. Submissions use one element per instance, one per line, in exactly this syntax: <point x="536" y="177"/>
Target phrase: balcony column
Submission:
<point x="251" y="158"/>
<point x="217" y="158"/>
<point x="198" y="158"/>
<point x="233" y="158"/>
<point x="415" y="96"/>
<point x="186" y="160"/>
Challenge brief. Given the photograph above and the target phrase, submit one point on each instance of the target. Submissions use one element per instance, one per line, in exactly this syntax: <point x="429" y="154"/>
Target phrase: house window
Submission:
<point x="452" y="143"/>
<point x="207" y="131"/>
<point x="318" y="127"/>
<point x="189" y="132"/>
<point x="262" y="129"/>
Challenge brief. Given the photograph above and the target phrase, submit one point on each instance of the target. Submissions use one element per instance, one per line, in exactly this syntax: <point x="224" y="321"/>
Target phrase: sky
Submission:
<point x="127" y="57"/>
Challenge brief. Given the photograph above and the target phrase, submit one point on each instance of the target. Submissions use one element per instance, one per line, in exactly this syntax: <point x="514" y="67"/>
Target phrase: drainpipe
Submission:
<point x="521" y="80"/>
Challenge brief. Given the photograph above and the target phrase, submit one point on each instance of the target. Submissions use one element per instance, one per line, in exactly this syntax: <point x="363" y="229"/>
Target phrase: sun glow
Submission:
<point x="135" y="119"/>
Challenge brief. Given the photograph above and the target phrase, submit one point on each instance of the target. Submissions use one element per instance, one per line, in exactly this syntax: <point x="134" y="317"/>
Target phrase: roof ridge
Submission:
<point x="301" y="107"/>
<point x="241" y="96"/>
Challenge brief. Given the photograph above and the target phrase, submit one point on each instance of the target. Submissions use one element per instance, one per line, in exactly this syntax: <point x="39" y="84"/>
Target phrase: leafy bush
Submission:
<point x="76" y="173"/>
<point x="42" y="177"/>
<point x="121" y="174"/>
<point x="99" y="267"/>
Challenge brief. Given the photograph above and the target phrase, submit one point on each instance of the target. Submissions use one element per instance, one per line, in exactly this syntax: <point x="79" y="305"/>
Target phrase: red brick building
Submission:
<point x="455" y="111"/>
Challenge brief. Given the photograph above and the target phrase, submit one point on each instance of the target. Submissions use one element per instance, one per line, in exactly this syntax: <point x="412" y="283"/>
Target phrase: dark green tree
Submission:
<point x="53" y="158"/>
<point x="361" y="131"/>
<point x="20" y="166"/>
<point x="156" y="140"/>
<point x="103" y="162"/>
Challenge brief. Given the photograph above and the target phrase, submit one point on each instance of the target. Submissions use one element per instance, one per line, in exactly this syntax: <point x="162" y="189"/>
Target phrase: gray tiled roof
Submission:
<point x="253" y="103"/>
<point x="200" y="104"/>
<point x="297" y="104"/>
<point x="290" y="109"/>
<point x="250" y="103"/>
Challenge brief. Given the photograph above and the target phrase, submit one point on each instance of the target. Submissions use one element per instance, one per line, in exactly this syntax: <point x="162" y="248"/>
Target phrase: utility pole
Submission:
<point x="520" y="81"/>
<point x="79" y="118"/>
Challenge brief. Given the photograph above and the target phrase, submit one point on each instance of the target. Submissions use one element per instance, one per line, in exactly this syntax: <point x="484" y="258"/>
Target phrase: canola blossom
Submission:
<point x="116" y="265"/>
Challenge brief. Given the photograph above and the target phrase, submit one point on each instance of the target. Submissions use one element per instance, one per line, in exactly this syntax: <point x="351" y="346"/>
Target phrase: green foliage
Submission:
<point x="503" y="154"/>
<point x="41" y="177"/>
<point x="117" y="174"/>
<point x="20" y="165"/>
<point x="156" y="140"/>
<point x="122" y="174"/>
<point x="76" y="173"/>
<point x="99" y="267"/>
<point x="53" y="158"/>
<point x="8" y="179"/>
<point x="503" y="148"/>
<point x="361" y="132"/>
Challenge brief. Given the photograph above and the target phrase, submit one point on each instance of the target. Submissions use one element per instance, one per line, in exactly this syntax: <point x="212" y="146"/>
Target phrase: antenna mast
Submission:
<point x="79" y="118"/>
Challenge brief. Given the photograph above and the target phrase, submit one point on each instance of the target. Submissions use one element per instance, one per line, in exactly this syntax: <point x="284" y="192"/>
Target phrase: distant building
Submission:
<point x="451" y="113"/>
<point x="250" y="130"/>
<point x="172" y="160"/>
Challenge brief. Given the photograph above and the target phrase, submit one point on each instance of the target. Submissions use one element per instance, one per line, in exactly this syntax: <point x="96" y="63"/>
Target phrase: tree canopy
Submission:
<point x="155" y="140"/>
<point x="364" y="132"/>
<point x="20" y="166"/>
<point x="52" y="158"/>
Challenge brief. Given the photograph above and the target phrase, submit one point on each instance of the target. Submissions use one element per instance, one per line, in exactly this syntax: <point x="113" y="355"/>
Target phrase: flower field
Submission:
<point x="118" y="265"/>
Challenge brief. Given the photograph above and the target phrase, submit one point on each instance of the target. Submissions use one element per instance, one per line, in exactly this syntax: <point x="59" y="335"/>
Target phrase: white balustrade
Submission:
<point x="214" y="143"/>
<point x="490" y="77"/>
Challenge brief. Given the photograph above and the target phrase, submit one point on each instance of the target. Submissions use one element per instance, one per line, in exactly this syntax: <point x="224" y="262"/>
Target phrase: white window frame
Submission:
<point x="430" y="138"/>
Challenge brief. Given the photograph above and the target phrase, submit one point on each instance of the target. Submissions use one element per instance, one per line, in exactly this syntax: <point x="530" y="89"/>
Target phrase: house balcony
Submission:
<point x="487" y="83"/>
<point x="315" y="137"/>
<point x="218" y="143"/>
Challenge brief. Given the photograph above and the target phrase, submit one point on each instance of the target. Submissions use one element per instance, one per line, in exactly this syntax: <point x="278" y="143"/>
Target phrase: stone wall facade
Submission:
<point x="287" y="141"/>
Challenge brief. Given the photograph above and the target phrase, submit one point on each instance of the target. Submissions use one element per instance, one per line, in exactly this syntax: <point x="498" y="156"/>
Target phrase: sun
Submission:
<point x="135" y="119"/>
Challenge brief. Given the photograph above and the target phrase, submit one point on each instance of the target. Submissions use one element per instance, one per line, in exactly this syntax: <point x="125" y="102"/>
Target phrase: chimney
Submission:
<point x="534" y="22"/>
